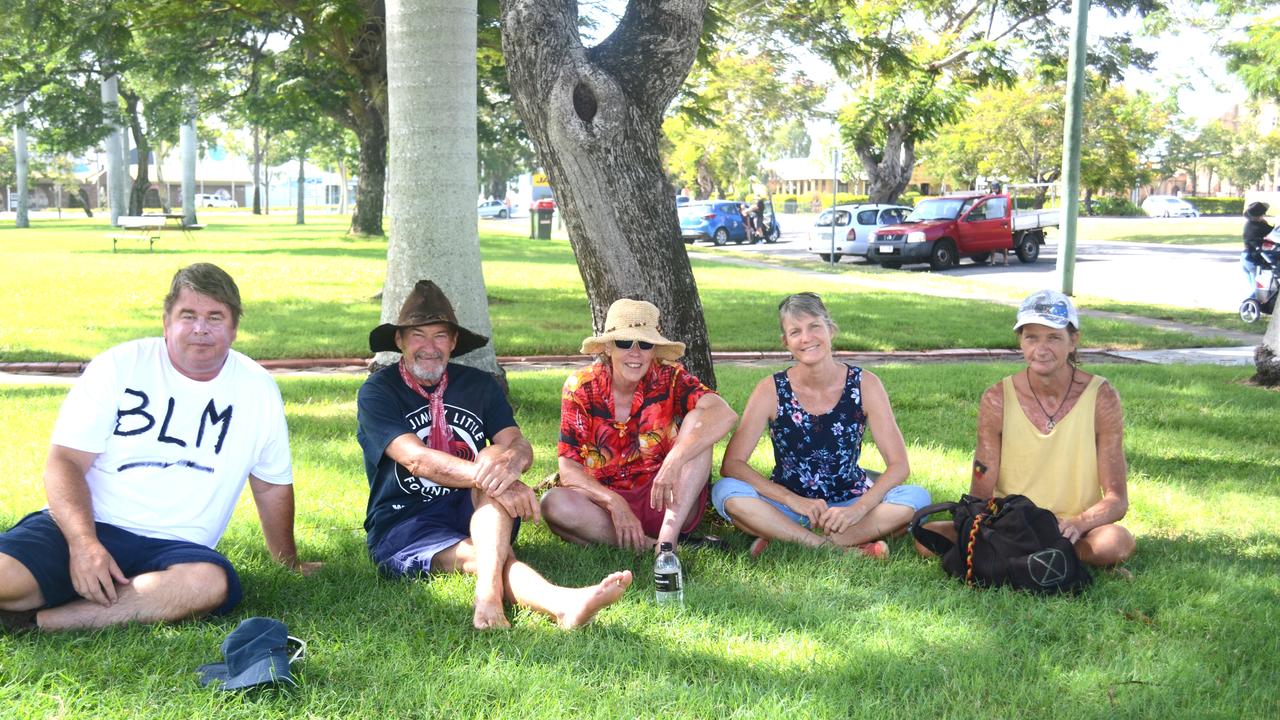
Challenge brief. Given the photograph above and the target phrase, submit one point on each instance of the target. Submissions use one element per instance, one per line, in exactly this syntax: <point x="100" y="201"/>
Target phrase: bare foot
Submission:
<point x="758" y="546"/>
<point x="878" y="549"/>
<point x="490" y="616"/>
<point x="582" y="604"/>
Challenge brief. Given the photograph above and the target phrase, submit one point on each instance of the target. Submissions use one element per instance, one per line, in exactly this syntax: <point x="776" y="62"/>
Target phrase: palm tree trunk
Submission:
<point x="431" y="88"/>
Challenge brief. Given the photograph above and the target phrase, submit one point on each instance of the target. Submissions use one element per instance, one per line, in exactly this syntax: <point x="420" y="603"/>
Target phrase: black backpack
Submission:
<point x="1004" y="541"/>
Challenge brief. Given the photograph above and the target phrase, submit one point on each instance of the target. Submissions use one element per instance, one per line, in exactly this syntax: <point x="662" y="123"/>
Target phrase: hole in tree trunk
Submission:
<point x="584" y="102"/>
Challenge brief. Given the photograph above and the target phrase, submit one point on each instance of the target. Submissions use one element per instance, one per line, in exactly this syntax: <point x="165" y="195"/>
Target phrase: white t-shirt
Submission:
<point x="173" y="453"/>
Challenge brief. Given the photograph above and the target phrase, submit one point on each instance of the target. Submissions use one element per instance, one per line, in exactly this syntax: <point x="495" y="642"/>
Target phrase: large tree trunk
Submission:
<point x="595" y="118"/>
<point x="302" y="189"/>
<point x="22" y="167"/>
<point x="266" y="174"/>
<point x="431" y="89"/>
<point x="342" y="192"/>
<point x="142" y="181"/>
<point x="187" y="138"/>
<point x="117" y="167"/>
<point x="371" y="186"/>
<point x="889" y="168"/>
<point x="161" y="153"/>
<point x="1266" y="358"/>
<point x="257" y="170"/>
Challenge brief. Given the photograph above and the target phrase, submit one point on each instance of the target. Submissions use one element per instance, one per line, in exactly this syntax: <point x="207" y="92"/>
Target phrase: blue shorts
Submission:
<point x="38" y="543"/>
<point x="913" y="496"/>
<point x="406" y="550"/>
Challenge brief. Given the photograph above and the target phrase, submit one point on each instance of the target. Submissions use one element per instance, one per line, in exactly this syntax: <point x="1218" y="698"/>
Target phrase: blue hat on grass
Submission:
<point x="257" y="653"/>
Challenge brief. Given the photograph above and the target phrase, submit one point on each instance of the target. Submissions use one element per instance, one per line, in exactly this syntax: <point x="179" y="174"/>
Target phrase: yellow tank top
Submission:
<point x="1058" y="471"/>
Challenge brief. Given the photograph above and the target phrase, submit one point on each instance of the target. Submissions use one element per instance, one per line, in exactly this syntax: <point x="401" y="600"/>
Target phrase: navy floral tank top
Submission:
<point x="816" y="456"/>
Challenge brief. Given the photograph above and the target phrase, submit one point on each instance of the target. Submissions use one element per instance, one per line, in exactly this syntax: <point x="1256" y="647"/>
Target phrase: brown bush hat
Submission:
<point x="633" y="320"/>
<point x="427" y="304"/>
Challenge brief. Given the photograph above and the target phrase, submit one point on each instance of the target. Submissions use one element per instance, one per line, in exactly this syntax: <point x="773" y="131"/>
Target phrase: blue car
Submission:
<point x="719" y="221"/>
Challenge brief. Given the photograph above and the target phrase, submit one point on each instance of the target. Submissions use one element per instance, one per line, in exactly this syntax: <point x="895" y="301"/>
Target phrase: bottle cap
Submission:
<point x="665" y="547"/>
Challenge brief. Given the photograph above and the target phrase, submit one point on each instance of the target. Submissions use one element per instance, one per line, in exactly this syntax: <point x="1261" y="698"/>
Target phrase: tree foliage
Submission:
<point x="736" y="111"/>
<point x="1015" y="134"/>
<point x="913" y="62"/>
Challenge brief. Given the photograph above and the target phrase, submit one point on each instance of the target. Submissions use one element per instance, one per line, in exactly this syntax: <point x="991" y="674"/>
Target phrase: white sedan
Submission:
<point x="855" y="224"/>
<point x="1168" y="206"/>
<point x="493" y="208"/>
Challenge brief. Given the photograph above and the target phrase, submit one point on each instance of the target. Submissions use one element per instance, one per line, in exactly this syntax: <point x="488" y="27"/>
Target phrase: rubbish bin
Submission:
<point x="790" y="205"/>
<point x="543" y="219"/>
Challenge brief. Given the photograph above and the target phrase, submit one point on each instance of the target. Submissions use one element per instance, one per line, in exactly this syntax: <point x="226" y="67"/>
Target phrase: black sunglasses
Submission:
<point x="626" y="344"/>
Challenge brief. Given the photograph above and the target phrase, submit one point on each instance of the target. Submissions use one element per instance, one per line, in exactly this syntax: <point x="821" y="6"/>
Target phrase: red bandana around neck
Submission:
<point x="439" y="439"/>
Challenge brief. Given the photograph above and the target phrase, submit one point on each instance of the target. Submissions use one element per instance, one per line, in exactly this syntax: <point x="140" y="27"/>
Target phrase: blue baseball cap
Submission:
<point x="257" y="653"/>
<point x="1047" y="307"/>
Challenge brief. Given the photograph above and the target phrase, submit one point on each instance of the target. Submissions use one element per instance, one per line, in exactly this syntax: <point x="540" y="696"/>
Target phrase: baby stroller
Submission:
<point x="1266" y="283"/>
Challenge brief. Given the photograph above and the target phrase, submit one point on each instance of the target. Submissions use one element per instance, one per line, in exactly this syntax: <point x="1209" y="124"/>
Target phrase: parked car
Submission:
<point x="543" y="204"/>
<point x="1168" y="206"/>
<point x="216" y="201"/>
<point x="719" y="221"/>
<point x="941" y="230"/>
<point x="855" y="224"/>
<point x="493" y="209"/>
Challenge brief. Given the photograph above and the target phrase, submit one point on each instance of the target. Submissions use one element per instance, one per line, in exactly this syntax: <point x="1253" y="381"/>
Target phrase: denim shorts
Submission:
<point x="912" y="496"/>
<point x="38" y="543"/>
<point x="406" y="550"/>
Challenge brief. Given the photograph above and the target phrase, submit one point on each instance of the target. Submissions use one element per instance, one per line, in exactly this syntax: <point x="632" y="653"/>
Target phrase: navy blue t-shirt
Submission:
<point x="476" y="410"/>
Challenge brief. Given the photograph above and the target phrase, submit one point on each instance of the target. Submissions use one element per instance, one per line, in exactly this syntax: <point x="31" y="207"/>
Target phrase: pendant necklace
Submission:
<point x="1052" y="418"/>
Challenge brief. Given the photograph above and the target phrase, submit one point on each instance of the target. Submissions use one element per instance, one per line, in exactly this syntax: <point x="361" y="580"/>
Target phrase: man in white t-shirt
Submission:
<point x="150" y="452"/>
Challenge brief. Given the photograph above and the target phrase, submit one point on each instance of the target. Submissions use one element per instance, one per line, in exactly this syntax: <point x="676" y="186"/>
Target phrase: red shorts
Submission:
<point x="651" y="520"/>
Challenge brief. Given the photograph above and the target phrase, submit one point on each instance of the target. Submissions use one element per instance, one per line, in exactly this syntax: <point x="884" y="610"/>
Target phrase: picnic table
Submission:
<point x="147" y="227"/>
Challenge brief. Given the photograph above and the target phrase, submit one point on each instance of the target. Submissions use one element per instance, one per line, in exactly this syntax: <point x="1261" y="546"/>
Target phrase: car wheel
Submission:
<point x="826" y="257"/>
<point x="982" y="258"/>
<point x="721" y="236"/>
<point x="1029" y="249"/>
<point x="891" y="264"/>
<point x="943" y="255"/>
<point x="502" y="214"/>
<point x="1250" y="311"/>
<point x="774" y="234"/>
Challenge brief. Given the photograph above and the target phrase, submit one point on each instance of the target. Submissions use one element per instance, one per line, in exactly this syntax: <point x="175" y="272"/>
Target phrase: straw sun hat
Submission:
<point x="633" y="320"/>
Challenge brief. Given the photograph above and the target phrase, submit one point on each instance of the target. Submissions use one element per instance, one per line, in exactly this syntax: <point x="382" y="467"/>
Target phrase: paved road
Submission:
<point x="1205" y="276"/>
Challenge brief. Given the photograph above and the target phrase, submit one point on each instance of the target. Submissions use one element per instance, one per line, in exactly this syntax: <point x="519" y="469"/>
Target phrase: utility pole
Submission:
<point x="835" y="188"/>
<point x="1071" y="146"/>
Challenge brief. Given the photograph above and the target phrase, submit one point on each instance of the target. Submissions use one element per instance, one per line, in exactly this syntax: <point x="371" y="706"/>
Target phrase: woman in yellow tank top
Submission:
<point x="1055" y="433"/>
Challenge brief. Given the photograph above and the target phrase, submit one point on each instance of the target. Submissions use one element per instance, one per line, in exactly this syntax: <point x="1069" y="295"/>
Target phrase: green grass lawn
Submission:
<point x="308" y="292"/>
<point x="798" y="634"/>
<point x="1167" y="231"/>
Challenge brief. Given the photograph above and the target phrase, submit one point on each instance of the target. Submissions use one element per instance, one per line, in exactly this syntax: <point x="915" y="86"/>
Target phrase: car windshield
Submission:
<point x="824" y="220"/>
<point x="936" y="209"/>
<point x="694" y="209"/>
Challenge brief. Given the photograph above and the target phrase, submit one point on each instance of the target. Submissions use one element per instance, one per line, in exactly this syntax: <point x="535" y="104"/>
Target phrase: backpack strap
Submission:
<point x="968" y="548"/>
<point x="937" y="544"/>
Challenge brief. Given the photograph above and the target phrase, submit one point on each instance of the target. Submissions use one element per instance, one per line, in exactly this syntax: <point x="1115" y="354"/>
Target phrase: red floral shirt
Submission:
<point x="628" y="454"/>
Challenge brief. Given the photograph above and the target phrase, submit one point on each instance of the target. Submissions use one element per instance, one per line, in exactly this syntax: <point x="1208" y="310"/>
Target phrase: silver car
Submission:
<point x="855" y="224"/>
<point x="493" y="208"/>
<point x="1168" y="206"/>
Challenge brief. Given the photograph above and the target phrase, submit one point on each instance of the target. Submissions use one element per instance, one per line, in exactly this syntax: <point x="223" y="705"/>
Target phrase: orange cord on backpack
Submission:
<point x="973" y="538"/>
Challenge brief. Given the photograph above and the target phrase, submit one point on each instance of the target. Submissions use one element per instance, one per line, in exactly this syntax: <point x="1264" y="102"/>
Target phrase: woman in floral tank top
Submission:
<point x="816" y="413"/>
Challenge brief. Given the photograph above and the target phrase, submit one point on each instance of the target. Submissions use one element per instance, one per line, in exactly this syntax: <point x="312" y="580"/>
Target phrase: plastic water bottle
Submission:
<point x="667" y="576"/>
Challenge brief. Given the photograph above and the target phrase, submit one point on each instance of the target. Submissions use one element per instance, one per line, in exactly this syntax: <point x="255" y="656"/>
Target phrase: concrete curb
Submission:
<point x="72" y="368"/>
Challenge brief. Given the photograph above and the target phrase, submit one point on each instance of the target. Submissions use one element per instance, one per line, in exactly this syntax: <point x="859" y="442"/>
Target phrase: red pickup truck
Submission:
<point x="942" y="230"/>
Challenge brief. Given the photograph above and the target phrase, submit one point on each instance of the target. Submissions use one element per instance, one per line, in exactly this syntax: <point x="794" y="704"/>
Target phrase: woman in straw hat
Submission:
<point x="636" y="434"/>
<point x="816" y="412"/>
